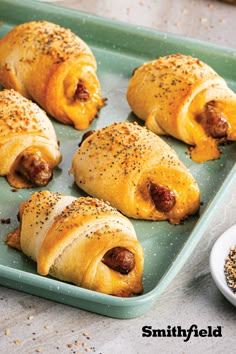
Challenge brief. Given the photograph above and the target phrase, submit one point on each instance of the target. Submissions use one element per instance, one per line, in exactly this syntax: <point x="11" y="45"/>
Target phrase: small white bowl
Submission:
<point x="218" y="255"/>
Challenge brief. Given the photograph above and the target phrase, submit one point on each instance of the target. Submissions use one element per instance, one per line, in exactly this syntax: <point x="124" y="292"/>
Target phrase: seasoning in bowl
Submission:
<point x="230" y="269"/>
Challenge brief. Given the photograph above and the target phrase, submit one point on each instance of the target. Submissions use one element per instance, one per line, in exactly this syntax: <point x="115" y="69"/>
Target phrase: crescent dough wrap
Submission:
<point x="25" y="131"/>
<point x="137" y="172"/>
<point x="55" y="68"/>
<point x="69" y="238"/>
<point x="181" y="96"/>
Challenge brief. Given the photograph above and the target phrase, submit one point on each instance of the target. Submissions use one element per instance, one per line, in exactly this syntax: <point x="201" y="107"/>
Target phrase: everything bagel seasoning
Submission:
<point x="230" y="269"/>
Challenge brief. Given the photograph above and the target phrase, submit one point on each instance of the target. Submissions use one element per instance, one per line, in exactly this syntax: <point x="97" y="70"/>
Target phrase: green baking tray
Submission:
<point x="119" y="48"/>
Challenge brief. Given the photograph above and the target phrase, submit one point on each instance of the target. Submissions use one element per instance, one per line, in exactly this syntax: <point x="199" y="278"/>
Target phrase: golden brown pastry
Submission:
<point x="183" y="97"/>
<point x="80" y="240"/>
<point x="29" y="149"/>
<point x="137" y="172"/>
<point x="54" y="67"/>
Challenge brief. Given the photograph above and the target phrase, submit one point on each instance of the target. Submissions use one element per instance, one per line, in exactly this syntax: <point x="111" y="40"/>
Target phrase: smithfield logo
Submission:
<point x="178" y="331"/>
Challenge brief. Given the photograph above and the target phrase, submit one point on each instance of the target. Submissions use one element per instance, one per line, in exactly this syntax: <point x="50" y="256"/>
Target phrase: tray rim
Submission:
<point x="145" y="301"/>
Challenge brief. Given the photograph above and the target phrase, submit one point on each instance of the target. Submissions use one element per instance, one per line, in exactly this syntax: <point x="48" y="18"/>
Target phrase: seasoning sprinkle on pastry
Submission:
<point x="29" y="149"/>
<point x="80" y="240"/>
<point x="137" y="172"/>
<point x="183" y="97"/>
<point x="55" y="68"/>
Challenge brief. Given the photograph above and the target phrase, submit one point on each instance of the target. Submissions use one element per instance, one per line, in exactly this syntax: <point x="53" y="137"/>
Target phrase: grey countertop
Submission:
<point x="30" y="324"/>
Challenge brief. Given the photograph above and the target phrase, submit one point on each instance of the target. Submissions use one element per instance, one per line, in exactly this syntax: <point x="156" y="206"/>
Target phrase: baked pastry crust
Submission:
<point x="54" y="67"/>
<point x="68" y="237"/>
<point x="137" y="172"/>
<point x="25" y="130"/>
<point x="181" y="96"/>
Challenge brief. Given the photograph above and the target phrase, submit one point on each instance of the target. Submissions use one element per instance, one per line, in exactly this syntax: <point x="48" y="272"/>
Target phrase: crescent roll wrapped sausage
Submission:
<point x="137" y="172"/>
<point x="80" y="240"/>
<point x="52" y="66"/>
<point x="29" y="149"/>
<point x="183" y="97"/>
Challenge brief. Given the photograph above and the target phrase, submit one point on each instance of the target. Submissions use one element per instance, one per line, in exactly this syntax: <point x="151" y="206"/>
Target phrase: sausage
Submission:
<point x="217" y="125"/>
<point x="86" y="135"/>
<point x="119" y="259"/>
<point x="163" y="198"/>
<point x="34" y="169"/>
<point x="13" y="239"/>
<point x="81" y="93"/>
<point x="213" y="121"/>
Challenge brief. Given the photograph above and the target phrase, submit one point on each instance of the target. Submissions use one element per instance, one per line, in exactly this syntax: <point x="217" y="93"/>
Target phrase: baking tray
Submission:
<point x="119" y="48"/>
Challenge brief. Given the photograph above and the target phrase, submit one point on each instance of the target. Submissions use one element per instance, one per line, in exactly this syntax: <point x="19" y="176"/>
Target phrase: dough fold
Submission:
<point x="71" y="238"/>
<point x="181" y="96"/>
<point x="29" y="149"/>
<point x="137" y="172"/>
<point x="52" y="66"/>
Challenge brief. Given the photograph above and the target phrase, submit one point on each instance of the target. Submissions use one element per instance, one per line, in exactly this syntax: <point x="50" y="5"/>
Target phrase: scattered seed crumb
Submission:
<point x="222" y="20"/>
<point x="203" y="19"/>
<point x="210" y="6"/>
<point x="7" y="332"/>
<point x="70" y="345"/>
<point x="46" y="327"/>
<point x="77" y="343"/>
<point x="6" y="221"/>
<point x="30" y="318"/>
<point x="128" y="10"/>
<point x="85" y="334"/>
<point x="39" y="350"/>
<point x="17" y="341"/>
